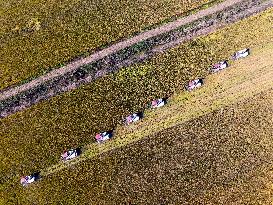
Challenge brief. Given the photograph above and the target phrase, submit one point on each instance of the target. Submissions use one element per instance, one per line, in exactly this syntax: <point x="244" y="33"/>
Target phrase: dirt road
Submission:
<point x="116" y="47"/>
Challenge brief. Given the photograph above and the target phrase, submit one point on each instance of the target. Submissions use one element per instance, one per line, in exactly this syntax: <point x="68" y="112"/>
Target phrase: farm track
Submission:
<point x="47" y="82"/>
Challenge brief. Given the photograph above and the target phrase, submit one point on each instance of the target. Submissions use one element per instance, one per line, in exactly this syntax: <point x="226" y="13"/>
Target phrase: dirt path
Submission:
<point x="116" y="47"/>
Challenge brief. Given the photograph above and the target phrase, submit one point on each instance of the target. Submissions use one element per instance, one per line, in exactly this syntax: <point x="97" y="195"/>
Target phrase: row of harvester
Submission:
<point x="104" y="136"/>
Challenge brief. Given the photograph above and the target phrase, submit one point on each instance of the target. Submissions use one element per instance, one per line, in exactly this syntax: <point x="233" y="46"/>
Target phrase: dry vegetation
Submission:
<point x="220" y="158"/>
<point x="39" y="35"/>
<point x="33" y="139"/>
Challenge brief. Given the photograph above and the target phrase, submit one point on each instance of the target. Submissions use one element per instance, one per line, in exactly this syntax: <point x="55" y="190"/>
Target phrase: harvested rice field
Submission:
<point x="224" y="157"/>
<point x="40" y="35"/>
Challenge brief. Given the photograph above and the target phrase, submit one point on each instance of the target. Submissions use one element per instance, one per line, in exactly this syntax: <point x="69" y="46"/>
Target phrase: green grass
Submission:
<point x="38" y="36"/>
<point x="33" y="139"/>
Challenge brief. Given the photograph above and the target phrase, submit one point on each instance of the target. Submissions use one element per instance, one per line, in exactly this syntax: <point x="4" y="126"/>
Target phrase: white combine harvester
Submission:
<point x="25" y="180"/>
<point x="70" y="154"/>
<point x="158" y="103"/>
<point x="104" y="136"/>
<point x="133" y="118"/>
<point x="241" y="54"/>
<point x="219" y="66"/>
<point x="193" y="84"/>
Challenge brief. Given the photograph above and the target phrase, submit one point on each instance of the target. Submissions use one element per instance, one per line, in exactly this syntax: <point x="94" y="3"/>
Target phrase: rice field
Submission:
<point x="35" y="137"/>
<point x="37" y="36"/>
<point x="223" y="157"/>
<point x="182" y="107"/>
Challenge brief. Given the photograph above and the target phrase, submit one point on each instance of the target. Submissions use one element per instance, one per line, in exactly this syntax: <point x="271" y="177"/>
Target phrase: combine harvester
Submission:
<point x="71" y="154"/>
<point x="193" y="84"/>
<point x="25" y="180"/>
<point x="133" y="118"/>
<point x="104" y="136"/>
<point x="158" y="103"/>
<point x="219" y="66"/>
<point x="241" y="54"/>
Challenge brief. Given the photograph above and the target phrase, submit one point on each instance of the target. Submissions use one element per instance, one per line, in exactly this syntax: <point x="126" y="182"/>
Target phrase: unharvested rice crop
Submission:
<point x="39" y="35"/>
<point x="220" y="158"/>
<point x="33" y="139"/>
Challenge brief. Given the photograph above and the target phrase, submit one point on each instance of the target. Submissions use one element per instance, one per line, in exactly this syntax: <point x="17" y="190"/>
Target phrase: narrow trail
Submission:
<point x="246" y="78"/>
<point x="116" y="47"/>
